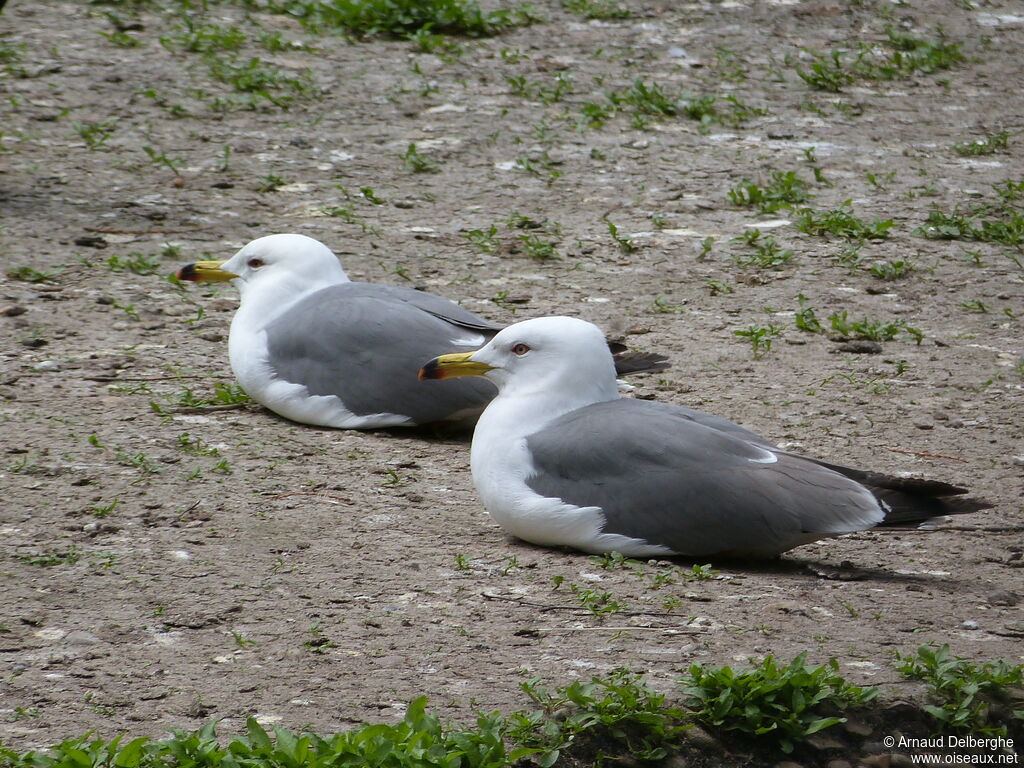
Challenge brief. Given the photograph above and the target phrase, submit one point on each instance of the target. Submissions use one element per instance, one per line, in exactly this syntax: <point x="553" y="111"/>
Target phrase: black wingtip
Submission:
<point x="640" y="362"/>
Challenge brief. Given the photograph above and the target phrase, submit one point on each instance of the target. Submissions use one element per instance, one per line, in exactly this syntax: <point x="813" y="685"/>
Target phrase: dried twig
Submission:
<point x="113" y="231"/>
<point x="207" y="408"/>
<point x="925" y="454"/>
<point x="318" y="494"/>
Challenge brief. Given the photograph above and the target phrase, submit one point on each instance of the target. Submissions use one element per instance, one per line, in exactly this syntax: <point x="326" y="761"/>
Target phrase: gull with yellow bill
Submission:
<point x="318" y="348"/>
<point x="559" y="458"/>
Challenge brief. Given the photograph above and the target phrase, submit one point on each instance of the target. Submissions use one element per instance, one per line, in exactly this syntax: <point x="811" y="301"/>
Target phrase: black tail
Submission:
<point x="912" y="502"/>
<point x="639" y="362"/>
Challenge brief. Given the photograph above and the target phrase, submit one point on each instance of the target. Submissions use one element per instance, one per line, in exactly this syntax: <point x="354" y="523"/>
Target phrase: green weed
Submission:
<point x="760" y="338"/>
<point x="768" y="701"/>
<point x="483" y="240"/>
<point x="965" y="692"/>
<point x="597" y="602"/>
<point x="999" y="221"/>
<point x="161" y="159"/>
<point x="619" y="708"/>
<point x="624" y="242"/>
<point x="401" y="18"/>
<point x="892" y="270"/>
<point x="195" y="446"/>
<point x="544" y="93"/>
<point x="870" y="329"/>
<point x="415" y="161"/>
<point x="783" y="189"/>
<point x="899" y="56"/>
<point x="136" y="262"/>
<point x="987" y="145"/>
<point x="70" y="556"/>
<point x="764" y="252"/>
<point x="223" y="394"/>
<point x="842" y="223"/>
<point x="29" y="275"/>
<point x="805" y="318"/>
<point x="203" y="38"/>
<point x="256" y="82"/>
<point x="95" y="134"/>
<point x="539" y="249"/>
<point x="121" y="39"/>
<point x="597" y="9"/>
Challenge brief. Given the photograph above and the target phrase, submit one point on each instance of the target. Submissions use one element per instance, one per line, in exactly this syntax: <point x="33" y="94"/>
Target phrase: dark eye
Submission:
<point x="520" y="348"/>
<point x="255" y="263"/>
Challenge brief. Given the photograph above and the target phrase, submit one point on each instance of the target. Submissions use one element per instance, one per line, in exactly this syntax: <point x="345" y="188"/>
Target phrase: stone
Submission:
<point x="1003" y="597"/>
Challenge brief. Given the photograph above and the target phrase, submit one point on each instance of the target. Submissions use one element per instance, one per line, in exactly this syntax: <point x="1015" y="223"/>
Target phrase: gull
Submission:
<point x="560" y="458"/>
<point x="317" y="348"/>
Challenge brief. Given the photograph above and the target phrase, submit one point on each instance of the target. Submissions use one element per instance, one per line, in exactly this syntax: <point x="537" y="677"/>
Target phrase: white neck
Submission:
<point x="264" y="300"/>
<point x="520" y="411"/>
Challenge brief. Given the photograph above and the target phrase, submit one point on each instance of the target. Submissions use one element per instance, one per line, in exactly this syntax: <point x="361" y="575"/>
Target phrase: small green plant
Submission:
<point x="870" y="329"/>
<point x="70" y="556"/>
<point x="203" y="38"/>
<point x="195" y="446"/>
<point x="544" y="93"/>
<point x="827" y="72"/>
<point x="700" y="573"/>
<point x="121" y="39"/>
<point x="805" y="318"/>
<point x="1000" y="221"/>
<point x="483" y="240"/>
<point x="271" y="182"/>
<point x="899" y="56"/>
<point x="965" y="692"/>
<point x="597" y="9"/>
<point x="224" y="394"/>
<point x="842" y="223"/>
<point x="255" y="82"/>
<point x="597" y="602"/>
<point x="760" y="338"/>
<point x="663" y="306"/>
<point x="783" y="189"/>
<point x="136" y="262"/>
<point x="103" y="510"/>
<point x="718" y="288"/>
<point x="95" y="134"/>
<point x="765" y="252"/>
<point x="624" y="242"/>
<point x="618" y="708"/>
<point x="415" y="161"/>
<point x="29" y="275"/>
<point x="539" y="249"/>
<point x="989" y="144"/>
<point x="892" y="270"/>
<point x="400" y="18"/>
<point x="781" y="703"/>
<point x="161" y="159"/>
<point x="317" y="642"/>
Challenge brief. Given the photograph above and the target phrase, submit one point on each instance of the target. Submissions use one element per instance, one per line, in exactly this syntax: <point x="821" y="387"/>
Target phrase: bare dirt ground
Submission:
<point x="160" y="567"/>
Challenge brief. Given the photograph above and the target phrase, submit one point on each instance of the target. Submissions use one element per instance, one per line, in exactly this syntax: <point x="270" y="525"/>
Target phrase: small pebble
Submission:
<point x="970" y="624"/>
<point x="1003" y="597"/>
<point x="47" y="365"/>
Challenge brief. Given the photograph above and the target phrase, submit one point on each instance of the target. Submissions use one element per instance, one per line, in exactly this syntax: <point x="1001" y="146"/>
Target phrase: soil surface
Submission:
<point x="163" y="564"/>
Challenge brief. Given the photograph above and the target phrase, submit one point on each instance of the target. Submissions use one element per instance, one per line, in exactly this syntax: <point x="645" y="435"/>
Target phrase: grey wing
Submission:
<point x="435" y="305"/>
<point x="367" y="348"/>
<point x="665" y="476"/>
